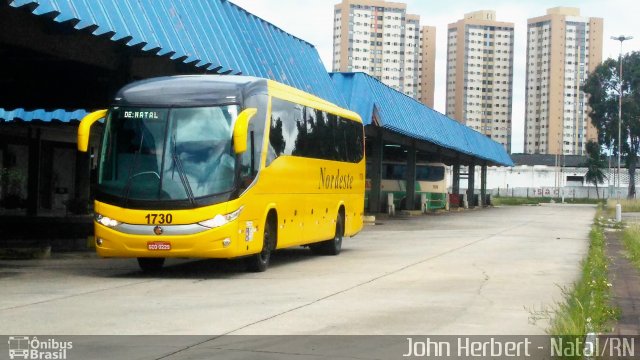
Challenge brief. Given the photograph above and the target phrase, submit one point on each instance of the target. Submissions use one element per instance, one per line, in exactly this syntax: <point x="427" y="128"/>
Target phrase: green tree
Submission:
<point x="602" y="88"/>
<point x="595" y="163"/>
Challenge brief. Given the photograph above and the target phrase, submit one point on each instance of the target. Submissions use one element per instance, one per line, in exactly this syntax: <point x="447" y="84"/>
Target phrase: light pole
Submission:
<point x="620" y="38"/>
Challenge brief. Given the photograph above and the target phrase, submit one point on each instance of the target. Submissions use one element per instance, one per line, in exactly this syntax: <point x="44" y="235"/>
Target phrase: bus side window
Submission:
<point x="277" y="141"/>
<point x="308" y="132"/>
<point x="250" y="159"/>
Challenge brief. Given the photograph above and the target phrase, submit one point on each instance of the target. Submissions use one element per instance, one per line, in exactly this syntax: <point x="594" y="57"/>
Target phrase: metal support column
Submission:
<point x="376" y="172"/>
<point x="472" y="185"/>
<point x="411" y="178"/>
<point x="33" y="180"/>
<point x="455" y="186"/>
<point x="483" y="185"/>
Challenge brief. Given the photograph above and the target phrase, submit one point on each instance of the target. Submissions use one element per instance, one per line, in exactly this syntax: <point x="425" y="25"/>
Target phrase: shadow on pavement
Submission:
<point x="217" y="268"/>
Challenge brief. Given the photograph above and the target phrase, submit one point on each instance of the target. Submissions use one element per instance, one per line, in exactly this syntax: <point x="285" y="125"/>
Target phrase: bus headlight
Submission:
<point x="221" y="220"/>
<point x="106" y="221"/>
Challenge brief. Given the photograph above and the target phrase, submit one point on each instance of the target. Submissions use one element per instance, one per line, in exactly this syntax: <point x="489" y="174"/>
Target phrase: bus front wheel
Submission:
<point x="151" y="265"/>
<point x="333" y="246"/>
<point x="260" y="262"/>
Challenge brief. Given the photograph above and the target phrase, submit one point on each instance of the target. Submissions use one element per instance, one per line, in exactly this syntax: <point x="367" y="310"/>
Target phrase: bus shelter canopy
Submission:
<point x="404" y="115"/>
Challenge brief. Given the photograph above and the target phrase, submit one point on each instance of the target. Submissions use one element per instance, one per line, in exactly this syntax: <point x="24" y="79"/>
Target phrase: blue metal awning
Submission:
<point x="212" y="34"/>
<point x="404" y="115"/>
<point x="42" y="115"/>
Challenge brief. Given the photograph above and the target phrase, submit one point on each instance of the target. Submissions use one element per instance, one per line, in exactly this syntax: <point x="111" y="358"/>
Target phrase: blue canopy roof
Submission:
<point x="402" y="114"/>
<point x="213" y="34"/>
<point x="42" y="115"/>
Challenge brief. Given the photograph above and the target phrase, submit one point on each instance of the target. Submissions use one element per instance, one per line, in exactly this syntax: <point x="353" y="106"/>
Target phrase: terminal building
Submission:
<point x="68" y="57"/>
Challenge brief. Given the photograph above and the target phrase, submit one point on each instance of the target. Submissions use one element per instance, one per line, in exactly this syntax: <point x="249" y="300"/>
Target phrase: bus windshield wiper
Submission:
<point x="183" y="178"/>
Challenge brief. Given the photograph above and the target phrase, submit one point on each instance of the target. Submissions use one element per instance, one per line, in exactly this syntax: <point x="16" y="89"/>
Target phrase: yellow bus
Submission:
<point x="210" y="166"/>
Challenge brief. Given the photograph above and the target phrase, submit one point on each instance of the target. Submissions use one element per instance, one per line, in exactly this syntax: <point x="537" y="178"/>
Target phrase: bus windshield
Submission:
<point x="159" y="154"/>
<point x="430" y="173"/>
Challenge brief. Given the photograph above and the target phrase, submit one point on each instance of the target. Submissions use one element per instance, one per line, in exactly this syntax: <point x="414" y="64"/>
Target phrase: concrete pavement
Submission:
<point x="476" y="272"/>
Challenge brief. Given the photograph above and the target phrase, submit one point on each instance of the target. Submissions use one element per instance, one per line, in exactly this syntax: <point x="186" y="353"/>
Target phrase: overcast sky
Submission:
<point x="313" y="22"/>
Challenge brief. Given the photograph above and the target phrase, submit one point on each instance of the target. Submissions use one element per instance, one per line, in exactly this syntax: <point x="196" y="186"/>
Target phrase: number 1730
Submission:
<point x="159" y="219"/>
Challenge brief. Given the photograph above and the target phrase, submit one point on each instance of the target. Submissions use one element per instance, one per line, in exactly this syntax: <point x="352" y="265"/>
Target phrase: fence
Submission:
<point x="570" y="192"/>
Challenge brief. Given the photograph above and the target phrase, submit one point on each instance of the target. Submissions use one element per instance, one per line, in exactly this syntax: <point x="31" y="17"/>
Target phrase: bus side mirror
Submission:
<point x="241" y="129"/>
<point x="84" y="130"/>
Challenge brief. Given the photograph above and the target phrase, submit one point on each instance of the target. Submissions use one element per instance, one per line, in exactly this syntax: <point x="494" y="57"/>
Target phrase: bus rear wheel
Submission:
<point x="260" y="262"/>
<point x="333" y="246"/>
<point x="151" y="265"/>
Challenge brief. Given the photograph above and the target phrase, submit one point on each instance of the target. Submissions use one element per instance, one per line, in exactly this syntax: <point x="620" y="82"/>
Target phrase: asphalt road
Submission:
<point x="474" y="272"/>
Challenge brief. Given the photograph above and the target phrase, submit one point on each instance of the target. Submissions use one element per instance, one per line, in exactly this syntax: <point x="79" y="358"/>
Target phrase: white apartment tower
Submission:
<point x="381" y="39"/>
<point x="480" y="74"/>
<point x="562" y="49"/>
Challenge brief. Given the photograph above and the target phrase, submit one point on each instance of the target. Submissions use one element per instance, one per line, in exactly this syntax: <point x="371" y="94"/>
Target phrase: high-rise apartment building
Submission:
<point x="428" y="69"/>
<point x="562" y="49"/>
<point x="480" y="74"/>
<point x="381" y="39"/>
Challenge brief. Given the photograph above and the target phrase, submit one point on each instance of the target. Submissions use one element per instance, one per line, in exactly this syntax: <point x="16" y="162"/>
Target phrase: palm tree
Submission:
<point x="595" y="163"/>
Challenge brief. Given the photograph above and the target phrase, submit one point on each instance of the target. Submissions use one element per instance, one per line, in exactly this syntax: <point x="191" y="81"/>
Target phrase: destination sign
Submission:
<point x="141" y="115"/>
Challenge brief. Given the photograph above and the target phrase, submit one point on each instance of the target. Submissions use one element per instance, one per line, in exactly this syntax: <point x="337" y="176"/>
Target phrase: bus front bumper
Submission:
<point x="220" y="242"/>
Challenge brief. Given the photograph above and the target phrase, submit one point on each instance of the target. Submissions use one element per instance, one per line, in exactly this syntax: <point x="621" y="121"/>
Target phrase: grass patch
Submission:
<point x="631" y="241"/>
<point x="582" y="201"/>
<point x="628" y="205"/>
<point x="500" y="200"/>
<point x="587" y="306"/>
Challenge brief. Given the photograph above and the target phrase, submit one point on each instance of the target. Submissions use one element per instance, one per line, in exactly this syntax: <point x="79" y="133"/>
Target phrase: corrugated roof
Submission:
<point x="213" y="34"/>
<point x="42" y="115"/>
<point x="402" y="114"/>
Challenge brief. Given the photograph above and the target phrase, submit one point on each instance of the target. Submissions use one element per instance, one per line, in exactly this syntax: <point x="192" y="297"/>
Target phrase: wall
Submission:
<point x="568" y="192"/>
<point x="547" y="181"/>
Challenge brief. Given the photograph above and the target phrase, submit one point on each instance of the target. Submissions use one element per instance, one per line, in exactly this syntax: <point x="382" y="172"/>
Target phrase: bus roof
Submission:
<point x="209" y="90"/>
<point x="190" y="90"/>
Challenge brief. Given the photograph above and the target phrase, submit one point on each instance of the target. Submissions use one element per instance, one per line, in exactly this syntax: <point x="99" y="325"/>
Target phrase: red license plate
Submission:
<point x="158" y="246"/>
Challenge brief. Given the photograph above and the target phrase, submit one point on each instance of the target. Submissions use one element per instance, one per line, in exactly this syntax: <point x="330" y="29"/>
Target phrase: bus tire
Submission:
<point x="333" y="246"/>
<point x="151" y="265"/>
<point x="260" y="262"/>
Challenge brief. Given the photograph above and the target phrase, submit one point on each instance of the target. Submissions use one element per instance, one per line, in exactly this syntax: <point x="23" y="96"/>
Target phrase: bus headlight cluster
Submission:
<point x="220" y="220"/>
<point x="106" y="221"/>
